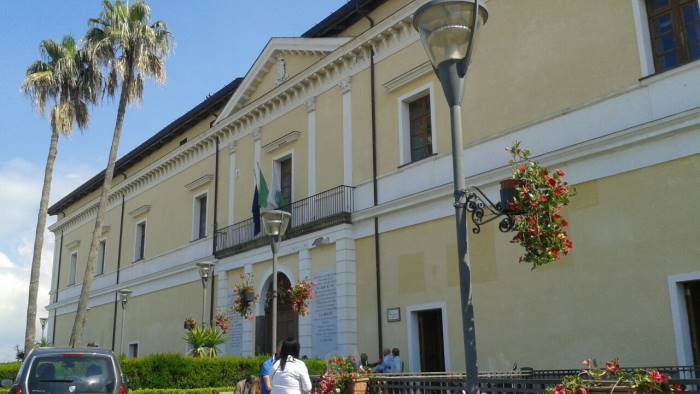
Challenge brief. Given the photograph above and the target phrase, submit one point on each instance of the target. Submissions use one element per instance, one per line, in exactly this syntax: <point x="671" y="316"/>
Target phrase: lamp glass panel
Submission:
<point x="445" y="29"/>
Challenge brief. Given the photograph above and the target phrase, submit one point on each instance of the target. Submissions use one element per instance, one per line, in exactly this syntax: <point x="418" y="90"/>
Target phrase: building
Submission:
<point x="353" y="124"/>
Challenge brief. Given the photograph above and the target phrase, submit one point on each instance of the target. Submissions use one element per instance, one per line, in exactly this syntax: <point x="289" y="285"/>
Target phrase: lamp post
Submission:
<point x="206" y="270"/>
<point x="43" y="321"/>
<point x="447" y="29"/>
<point x="123" y="299"/>
<point x="275" y="224"/>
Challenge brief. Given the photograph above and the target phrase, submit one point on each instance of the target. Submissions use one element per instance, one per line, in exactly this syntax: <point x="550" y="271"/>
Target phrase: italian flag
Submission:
<point x="263" y="198"/>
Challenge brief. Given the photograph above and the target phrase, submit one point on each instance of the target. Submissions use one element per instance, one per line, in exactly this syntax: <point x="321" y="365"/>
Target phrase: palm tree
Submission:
<point x="68" y="77"/>
<point x="130" y="49"/>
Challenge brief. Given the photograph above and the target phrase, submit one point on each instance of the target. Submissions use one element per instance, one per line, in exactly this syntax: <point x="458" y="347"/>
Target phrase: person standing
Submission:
<point x="397" y="366"/>
<point x="289" y="373"/>
<point x="387" y="362"/>
<point x="265" y="370"/>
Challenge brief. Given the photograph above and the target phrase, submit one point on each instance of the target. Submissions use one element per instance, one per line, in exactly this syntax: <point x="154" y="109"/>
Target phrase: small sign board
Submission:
<point x="393" y="314"/>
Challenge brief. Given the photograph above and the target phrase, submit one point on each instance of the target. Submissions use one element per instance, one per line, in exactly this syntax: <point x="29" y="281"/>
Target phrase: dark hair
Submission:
<point x="290" y="347"/>
<point x="395" y="351"/>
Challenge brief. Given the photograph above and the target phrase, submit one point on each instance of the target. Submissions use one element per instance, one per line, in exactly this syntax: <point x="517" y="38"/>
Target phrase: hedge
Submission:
<point x="175" y="371"/>
<point x="210" y="390"/>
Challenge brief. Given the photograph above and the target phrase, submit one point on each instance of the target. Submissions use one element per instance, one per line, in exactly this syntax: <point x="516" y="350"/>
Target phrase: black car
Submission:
<point x="57" y="370"/>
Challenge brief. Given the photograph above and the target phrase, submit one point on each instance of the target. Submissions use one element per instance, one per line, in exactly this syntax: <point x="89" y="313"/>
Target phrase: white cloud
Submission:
<point x="21" y="190"/>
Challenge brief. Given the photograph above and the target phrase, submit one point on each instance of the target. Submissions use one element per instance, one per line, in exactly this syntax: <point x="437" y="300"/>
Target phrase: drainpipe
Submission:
<point x="213" y="235"/>
<point x="119" y="261"/>
<point x="375" y="189"/>
<point x="58" y="281"/>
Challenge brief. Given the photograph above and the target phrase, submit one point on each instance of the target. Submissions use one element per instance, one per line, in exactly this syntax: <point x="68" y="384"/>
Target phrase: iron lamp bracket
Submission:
<point x="483" y="210"/>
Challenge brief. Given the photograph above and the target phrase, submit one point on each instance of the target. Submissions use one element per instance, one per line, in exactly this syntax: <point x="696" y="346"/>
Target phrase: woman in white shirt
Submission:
<point x="289" y="374"/>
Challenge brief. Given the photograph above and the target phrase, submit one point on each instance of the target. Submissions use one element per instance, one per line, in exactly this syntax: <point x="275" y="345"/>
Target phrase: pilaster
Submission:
<point x="346" y="293"/>
<point x="345" y="88"/>
<point x="310" y="105"/>
<point x="305" y="321"/>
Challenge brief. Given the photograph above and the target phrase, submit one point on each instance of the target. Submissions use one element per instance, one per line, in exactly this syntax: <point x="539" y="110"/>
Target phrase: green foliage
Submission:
<point x="208" y="390"/>
<point x="177" y="371"/>
<point x="8" y="370"/>
<point x="204" y="340"/>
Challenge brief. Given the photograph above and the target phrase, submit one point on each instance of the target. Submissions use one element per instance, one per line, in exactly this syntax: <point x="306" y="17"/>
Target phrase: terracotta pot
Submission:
<point x="509" y="192"/>
<point x="248" y="295"/>
<point x="358" y="386"/>
<point x="189" y="325"/>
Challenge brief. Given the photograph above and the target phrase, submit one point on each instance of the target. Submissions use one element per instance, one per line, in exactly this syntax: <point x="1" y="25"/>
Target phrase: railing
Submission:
<point x="325" y="209"/>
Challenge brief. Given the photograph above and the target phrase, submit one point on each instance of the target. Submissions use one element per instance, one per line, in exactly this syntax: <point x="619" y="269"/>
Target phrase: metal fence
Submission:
<point x="325" y="209"/>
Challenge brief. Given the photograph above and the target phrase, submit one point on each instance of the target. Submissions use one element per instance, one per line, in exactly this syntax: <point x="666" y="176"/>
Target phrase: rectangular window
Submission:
<point x="675" y="32"/>
<point x="72" y="268"/>
<point x="140" y="241"/>
<point x="133" y="350"/>
<point x="421" y="136"/>
<point x="199" y="217"/>
<point x="100" y="269"/>
<point x="285" y="183"/>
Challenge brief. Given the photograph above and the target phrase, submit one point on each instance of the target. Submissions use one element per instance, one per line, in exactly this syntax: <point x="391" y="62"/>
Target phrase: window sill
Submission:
<point x="649" y="79"/>
<point x="198" y="239"/>
<point x="138" y="260"/>
<point x="411" y="163"/>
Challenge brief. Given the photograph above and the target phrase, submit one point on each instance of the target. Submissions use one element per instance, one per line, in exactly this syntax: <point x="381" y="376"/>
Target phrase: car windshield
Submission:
<point x="74" y="373"/>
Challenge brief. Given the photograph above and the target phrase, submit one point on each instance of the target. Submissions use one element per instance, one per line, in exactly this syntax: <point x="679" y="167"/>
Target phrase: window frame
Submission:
<point x="404" y="118"/>
<point x="137" y="239"/>
<point x="196" y="215"/>
<point x="277" y="172"/>
<point x="101" y="256"/>
<point x="72" y="268"/>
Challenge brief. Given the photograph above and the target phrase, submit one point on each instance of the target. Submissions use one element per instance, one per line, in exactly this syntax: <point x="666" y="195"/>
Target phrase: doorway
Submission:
<point x="692" y="303"/>
<point x="427" y="333"/>
<point x="287" y="321"/>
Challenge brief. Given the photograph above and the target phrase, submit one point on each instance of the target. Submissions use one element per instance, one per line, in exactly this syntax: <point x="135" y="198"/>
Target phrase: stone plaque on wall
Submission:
<point x="235" y="335"/>
<point x="324" y="315"/>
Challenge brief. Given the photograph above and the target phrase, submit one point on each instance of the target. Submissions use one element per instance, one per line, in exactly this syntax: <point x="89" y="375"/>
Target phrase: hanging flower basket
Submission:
<point x="245" y="297"/>
<point x="222" y="321"/>
<point x="537" y="196"/>
<point x="300" y="295"/>
<point x="189" y="324"/>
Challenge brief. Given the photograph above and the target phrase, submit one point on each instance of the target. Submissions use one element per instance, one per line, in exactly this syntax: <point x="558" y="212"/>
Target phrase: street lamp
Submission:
<point x="275" y="224"/>
<point x="448" y="30"/>
<point x="206" y="270"/>
<point x="43" y="321"/>
<point x="123" y="299"/>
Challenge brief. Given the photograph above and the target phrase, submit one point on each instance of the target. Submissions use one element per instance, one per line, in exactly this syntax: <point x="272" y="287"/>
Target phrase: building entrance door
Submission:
<point x="692" y="302"/>
<point x="287" y="321"/>
<point x="430" y="340"/>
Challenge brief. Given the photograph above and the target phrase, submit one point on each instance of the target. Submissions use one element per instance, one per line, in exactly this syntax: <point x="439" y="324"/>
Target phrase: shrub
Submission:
<point x="8" y="370"/>
<point x="208" y="390"/>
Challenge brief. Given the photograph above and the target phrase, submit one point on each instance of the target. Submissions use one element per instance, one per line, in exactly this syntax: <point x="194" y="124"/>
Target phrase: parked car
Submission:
<point x="60" y="370"/>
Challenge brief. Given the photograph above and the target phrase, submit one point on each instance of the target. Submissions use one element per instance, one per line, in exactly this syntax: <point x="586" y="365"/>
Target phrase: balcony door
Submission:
<point x="692" y="303"/>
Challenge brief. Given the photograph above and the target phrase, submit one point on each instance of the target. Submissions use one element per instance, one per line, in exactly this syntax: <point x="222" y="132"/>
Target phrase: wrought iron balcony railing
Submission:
<point x="325" y="209"/>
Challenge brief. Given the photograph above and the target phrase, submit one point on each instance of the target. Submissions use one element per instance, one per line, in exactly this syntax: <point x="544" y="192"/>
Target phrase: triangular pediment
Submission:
<point x="281" y="59"/>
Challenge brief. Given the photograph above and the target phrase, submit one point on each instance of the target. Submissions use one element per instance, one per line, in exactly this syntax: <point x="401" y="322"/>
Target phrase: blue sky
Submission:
<point x="216" y="41"/>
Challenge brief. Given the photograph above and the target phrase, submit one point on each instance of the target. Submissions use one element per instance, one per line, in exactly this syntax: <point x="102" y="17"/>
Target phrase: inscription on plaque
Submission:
<point x="324" y="315"/>
<point x="235" y="335"/>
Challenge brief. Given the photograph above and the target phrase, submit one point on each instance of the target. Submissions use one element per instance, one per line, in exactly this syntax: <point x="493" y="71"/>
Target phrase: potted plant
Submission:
<point x="204" y="340"/>
<point x="300" y="295"/>
<point x="245" y="296"/>
<point x="222" y="321"/>
<point x="537" y="195"/>
<point x="189" y="323"/>
<point x="611" y="379"/>
<point x="342" y="377"/>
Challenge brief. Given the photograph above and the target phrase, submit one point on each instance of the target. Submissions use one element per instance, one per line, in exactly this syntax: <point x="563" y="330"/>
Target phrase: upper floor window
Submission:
<point x="100" y="269"/>
<point x="199" y="217"/>
<point x="285" y="167"/>
<point x="675" y="32"/>
<point x="72" y="268"/>
<point x="416" y="126"/>
<point x="140" y="241"/>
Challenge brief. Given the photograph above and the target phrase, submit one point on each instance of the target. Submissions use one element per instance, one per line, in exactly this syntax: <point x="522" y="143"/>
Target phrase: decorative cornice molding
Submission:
<point x="257" y="134"/>
<point x="408" y="76"/>
<point x="143" y="209"/>
<point x="310" y="104"/>
<point x="281" y="141"/>
<point x="73" y="245"/>
<point x="199" y="182"/>
<point x="345" y="85"/>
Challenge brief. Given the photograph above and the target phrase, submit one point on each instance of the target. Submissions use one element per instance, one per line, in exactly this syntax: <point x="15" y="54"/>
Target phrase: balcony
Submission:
<point x="325" y="209"/>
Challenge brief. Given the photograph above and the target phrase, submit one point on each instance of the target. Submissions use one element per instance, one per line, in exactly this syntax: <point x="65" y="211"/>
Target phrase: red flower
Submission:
<point x="586" y="363"/>
<point x="612" y="367"/>
<point x="658" y="377"/>
<point x="582" y="391"/>
<point x="568" y="245"/>
<point x="554" y="252"/>
<point x="564" y="223"/>
<point x="559" y="389"/>
<point x="521" y="169"/>
<point x="543" y="198"/>
<point x="560" y="190"/>
<point x="678" y="388"/>
<point x="560" y="172"/>
<point x="515" y="239"/>
<point x="551" y="181"/>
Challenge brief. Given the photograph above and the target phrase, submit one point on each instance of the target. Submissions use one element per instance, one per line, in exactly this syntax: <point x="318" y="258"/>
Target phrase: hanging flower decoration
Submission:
<point x="538" y="202"/>
<point x="611" y="377"/>
<point x="300" y="295"/>
<point x="189" y="323"/>
<point x="245" y="297"/>
<point x="222" y="321"/>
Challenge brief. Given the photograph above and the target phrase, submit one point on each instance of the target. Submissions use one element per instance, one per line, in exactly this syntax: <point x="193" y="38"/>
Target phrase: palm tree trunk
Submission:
<point x="81" y="314"/>
<point x="30" y="332"/>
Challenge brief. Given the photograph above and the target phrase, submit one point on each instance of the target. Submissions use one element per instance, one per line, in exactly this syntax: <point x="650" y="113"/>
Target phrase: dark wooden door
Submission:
<point x="692" y="302"/>
<point x="287" y="320"/>
<point x="432" y="351"/>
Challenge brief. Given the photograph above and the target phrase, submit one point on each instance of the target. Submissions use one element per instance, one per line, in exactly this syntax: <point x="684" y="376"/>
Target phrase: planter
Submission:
<point x="248" y="295"/>
<point x="358" y="386"/>
<point x="189" y="325"/>
<point x="509" y="192"/>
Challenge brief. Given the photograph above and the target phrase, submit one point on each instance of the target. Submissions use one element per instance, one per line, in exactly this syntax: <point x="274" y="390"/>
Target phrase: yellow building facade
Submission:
<point x="350" y="124"/>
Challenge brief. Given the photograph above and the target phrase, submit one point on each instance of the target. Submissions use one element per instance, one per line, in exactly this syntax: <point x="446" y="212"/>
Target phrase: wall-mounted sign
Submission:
<point x="393" y="314"/>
